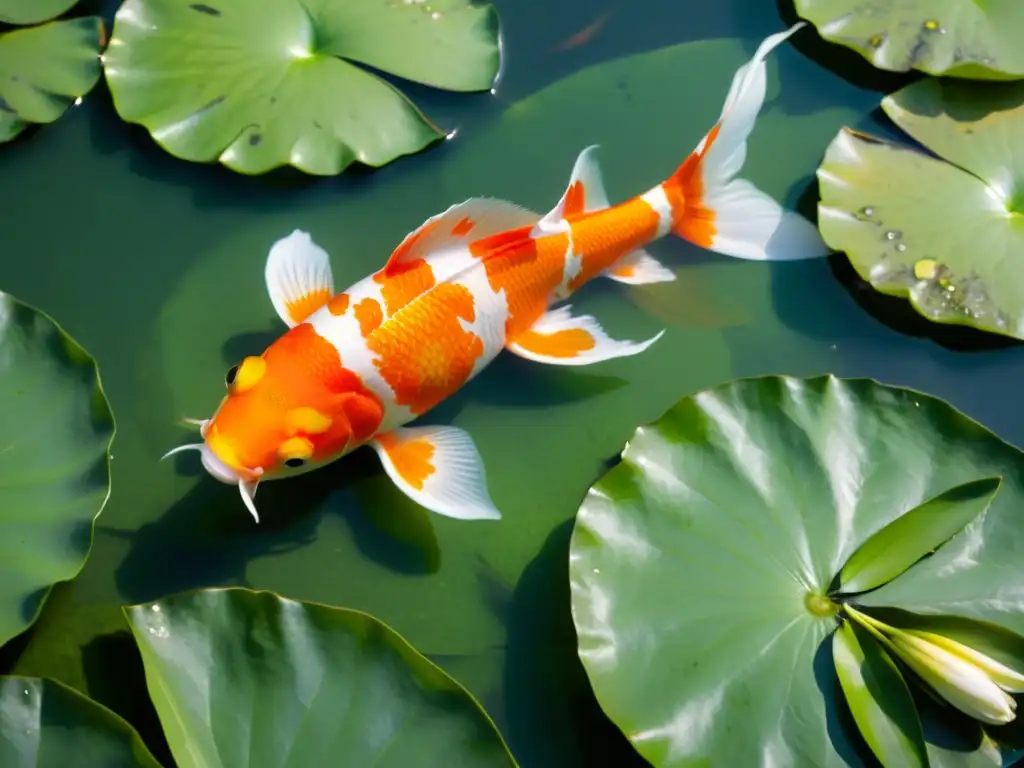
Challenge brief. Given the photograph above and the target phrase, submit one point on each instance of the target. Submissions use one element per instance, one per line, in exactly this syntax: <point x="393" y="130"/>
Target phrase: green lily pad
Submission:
<point x="702" y="561"/>
<point x="55" y="434"/>
<point x="46" y="724"/>
<point x="242" y="677"/>
<point x="976" y="39"/>
<point x="946" y="232"/>
<point x="44" y="69"/>
<point x="260" y="87"/>
<point x="32" y="11"/>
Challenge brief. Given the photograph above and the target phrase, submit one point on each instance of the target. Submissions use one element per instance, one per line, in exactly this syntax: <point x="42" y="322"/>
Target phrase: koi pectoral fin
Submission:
<point x="439" y="468"/>
<point x="298" y="276"/>
<point x="559" y="338"/>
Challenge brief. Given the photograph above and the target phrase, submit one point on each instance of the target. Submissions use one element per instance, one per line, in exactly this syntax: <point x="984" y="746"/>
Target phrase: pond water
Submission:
<point x="156" y="266"/>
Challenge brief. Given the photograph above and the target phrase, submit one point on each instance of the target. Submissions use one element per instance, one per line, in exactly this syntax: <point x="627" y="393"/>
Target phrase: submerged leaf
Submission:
<point x="55" y="435"/>
<point x="44" y="69"/>
<point x="260" y="86"/>
<point x="236" y="673"/>
<point x="947" y="233"/>
<point x="958" y="38"/>
<point x="878" y="697"/>
<point x="701" y="561"/>
<point x="893" y="549"/>
<point x="46" y="724"/>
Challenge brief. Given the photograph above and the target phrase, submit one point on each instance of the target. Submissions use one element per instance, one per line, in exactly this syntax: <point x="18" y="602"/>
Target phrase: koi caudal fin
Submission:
<point x="730" y="215"/>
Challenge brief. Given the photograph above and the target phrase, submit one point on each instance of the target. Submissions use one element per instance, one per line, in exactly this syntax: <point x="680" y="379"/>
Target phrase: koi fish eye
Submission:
<point x="295" y="451"/>
<point x="246" y="374"/>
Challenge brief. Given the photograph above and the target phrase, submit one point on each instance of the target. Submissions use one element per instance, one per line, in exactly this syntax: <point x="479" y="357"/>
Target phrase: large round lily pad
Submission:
<point x="700" y="564"/>
<point x="55" y="435"/>
<point x="264" y="85"/>
<point x="44" y="69"/>
<point x="241" y="677"/>
<point x="45" y="724"/>
<point x="32" y="11"/>
<point x="946" y="232"/>
<point x="978" y="39"/>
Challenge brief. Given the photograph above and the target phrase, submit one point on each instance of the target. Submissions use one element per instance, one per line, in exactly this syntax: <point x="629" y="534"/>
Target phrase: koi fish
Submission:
<point x="354" y="368"/>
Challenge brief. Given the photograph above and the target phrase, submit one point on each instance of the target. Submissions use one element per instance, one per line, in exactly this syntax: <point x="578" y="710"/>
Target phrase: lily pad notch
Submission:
<point x="256" y="88"/>
<point x="944" y="231"/>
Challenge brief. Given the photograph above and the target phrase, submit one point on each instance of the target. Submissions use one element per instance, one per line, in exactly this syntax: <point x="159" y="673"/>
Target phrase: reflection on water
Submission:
<point x="156" y="265"/>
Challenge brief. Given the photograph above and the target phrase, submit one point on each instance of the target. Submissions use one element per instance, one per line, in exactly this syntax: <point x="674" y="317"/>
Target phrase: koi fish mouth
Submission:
<point x="247" y="480"/>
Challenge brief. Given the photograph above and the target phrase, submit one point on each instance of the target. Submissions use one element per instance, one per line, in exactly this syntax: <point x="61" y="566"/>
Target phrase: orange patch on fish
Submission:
<point x="685" y="192"/>
<point x="339" y="304"/>
<point x="528" y="271"/>
<point x="425" y="355"/>
<point x="401" y="253"/>
<point x="463" y="227"/>
<point x="411" y="458"/>
<point x="369" y="316"/>
<point x="574" y="199"/>
<point x="609" y="234"/>
<point x="626" y="270"/>
<point x="565" y="343"/>
<point x="404" y="282"/>
<point x="304" y="306"/>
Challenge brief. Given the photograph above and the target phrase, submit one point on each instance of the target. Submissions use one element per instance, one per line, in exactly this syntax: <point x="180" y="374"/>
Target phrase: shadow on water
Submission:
<point x="208" y="538"/>
<point x="116" y="677"/>
<point x="551" y="716"/>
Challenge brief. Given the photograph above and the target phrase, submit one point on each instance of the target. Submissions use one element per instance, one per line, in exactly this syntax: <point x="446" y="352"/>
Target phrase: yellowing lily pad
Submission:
<point x="976" y="39"/>
<point x="55" y="434"/>
<point x="260" y="85"/>
<point x="946" y="232"/>
<point x="44" y="69"/>
<point x="700" y="568"/>
<point x="241" y="677"/>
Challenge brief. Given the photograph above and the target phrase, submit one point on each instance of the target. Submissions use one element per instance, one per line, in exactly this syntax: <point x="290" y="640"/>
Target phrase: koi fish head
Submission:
<point x="291" y="410"/>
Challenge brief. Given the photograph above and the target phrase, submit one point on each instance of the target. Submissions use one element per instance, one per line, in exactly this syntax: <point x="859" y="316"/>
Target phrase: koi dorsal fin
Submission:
<point x="584" y="194"/>
<point x="442" y="240"/>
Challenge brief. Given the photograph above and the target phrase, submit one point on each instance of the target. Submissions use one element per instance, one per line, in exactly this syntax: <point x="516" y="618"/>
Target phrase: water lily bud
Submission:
<point x="954" y="676"/>
<point x="1006" y="678"/>
<point x="957" y="680"/>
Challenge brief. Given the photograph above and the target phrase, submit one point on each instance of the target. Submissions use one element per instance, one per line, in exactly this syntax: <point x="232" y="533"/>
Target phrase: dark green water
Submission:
<point x="156" y="266"/>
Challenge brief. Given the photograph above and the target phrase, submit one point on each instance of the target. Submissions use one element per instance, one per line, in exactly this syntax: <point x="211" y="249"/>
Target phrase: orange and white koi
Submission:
<point x="356" y="367"/>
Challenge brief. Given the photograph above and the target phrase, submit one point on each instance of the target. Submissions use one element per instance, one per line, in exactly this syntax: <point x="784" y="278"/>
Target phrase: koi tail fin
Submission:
<point x="714" y="209"/>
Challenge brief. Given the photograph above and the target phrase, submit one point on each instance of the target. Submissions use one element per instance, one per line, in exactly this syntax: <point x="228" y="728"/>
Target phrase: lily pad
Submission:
<point x="55" y="434"/>
<point x="976" y="39"/>
<point x="44" y="69"/>
<point x="703" y="560"/>
<point x="257" y="87"/>
<point x="46" y="724"/>
<point x="32" y="11"/>
<point x="947" y="232"/>
<point x="242" y="677"/>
